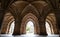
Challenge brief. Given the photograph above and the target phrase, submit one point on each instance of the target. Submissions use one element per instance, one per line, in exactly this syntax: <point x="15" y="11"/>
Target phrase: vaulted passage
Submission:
<point x="27" y="18"/>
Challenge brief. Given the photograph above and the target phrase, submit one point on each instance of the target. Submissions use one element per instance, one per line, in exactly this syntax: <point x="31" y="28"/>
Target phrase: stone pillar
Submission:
<point x="17" y="27"/>
<point x="42" y="27"/>
<point x="1" y="19"/>
<point x="4" y="29"/>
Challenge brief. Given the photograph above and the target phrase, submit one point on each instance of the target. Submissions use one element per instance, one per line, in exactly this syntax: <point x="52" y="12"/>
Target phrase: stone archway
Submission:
<point x="51" y="19"/>
<point x="21" y="8"/>
<point x="8" y="18"/>
<point x="30" y="17"/>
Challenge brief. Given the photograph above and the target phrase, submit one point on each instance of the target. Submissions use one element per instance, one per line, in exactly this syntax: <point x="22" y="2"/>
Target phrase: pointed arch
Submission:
<point x="51" y="19"/>
<point x="8" y="19"/>
<point x="34" y="19"/>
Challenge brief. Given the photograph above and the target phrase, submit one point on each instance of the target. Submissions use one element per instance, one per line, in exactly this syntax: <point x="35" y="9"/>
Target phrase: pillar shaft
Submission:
<point x="42" y="26"/>
<point x="17" y="27"/>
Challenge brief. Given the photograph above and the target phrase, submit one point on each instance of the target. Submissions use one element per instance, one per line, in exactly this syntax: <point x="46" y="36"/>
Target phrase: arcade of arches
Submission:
<point x="29" y="16"/>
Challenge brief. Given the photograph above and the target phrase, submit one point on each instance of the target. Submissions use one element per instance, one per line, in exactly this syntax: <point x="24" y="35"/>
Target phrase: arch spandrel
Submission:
<point x="42" y="7"/>
<point x="17" y="7"/>
<point x="30" y="9"/>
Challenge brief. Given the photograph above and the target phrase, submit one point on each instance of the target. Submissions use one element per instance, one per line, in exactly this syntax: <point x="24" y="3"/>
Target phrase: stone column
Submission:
<point x="17" y="27"/>
<point x="1" y="19"/>
<point x="42" y="26"/>
<point x="4" y="29"/>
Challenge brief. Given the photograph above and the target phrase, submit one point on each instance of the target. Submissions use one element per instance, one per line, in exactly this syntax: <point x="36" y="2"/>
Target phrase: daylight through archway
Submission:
<point x="48" y="28"/>
<point x="51" y="27"/>
<point x="30" y="27"/>
<point x="11" y="30"/>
